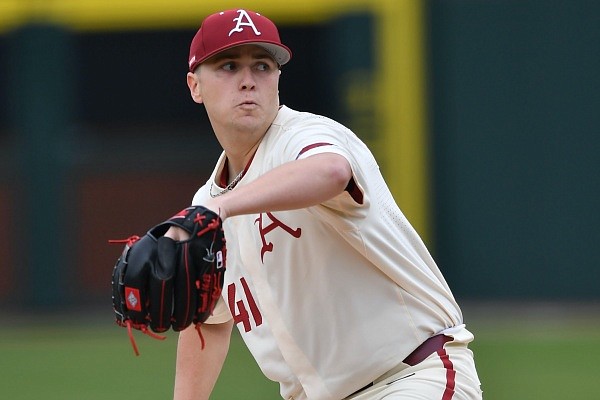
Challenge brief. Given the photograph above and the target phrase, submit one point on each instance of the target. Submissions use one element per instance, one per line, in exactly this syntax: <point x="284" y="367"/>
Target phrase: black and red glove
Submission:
<point x="160" y="283"/>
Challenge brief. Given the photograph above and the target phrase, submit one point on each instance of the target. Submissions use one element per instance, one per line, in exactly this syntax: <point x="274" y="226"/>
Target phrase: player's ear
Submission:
<point x="194" y="85"/>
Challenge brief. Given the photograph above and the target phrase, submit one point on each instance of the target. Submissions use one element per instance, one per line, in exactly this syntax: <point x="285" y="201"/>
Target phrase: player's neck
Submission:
<point x="238" y="157"/>
<point x="236" y="167"/>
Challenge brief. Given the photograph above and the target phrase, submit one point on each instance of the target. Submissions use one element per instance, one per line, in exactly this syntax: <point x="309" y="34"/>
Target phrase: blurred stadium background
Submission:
<point x="484" y="116"/>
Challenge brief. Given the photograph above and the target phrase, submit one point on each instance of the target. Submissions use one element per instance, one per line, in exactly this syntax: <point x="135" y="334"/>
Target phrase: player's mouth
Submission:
<point x="247" y="104"/>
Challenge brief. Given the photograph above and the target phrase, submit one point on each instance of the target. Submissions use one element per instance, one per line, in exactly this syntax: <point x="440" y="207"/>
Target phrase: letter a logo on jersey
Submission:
<point x="264" y="230"/>
<point x="243" y="20"/>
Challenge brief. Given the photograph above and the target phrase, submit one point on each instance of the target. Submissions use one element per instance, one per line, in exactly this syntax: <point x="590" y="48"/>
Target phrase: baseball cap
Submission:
<point x="226" y="29"/>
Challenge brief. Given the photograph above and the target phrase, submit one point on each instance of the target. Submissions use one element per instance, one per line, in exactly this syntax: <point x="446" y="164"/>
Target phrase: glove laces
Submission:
<point x="129" y="241"/>
<point x="141" y="327"/>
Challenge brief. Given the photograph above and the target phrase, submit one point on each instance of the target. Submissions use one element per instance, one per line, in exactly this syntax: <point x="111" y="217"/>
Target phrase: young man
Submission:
<point x="331" y="288"/>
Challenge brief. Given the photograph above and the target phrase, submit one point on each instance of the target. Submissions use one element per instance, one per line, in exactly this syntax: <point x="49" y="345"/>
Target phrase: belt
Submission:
<point x="427" y="348"/>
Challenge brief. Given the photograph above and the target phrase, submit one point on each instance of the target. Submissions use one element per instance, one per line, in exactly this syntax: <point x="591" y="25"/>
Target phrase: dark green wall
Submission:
<point x="515" y="105"/>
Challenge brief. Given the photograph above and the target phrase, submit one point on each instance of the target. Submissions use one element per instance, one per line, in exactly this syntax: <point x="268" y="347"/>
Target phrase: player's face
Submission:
<point x="239" y="89"/>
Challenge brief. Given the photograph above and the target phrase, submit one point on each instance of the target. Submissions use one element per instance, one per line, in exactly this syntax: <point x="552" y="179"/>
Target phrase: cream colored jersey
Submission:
<point x="329" y="297"/>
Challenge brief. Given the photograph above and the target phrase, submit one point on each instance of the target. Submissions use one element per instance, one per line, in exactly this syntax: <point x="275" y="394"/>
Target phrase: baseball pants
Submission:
<point x="447" y="374"/>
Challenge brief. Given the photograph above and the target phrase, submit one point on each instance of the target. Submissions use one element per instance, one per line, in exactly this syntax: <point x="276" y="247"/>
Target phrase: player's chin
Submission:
<point x="248" y="121"/>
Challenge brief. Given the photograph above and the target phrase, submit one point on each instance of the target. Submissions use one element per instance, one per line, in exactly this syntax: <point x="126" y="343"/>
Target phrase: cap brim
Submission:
<point x="280" y="53"/>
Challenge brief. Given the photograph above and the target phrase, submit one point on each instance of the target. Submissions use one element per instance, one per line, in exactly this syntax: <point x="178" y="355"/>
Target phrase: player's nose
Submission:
<point x="247" y="81"/>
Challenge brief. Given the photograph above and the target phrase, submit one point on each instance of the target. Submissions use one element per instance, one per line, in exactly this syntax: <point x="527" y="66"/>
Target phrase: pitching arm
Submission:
<point x="294" y="185"/>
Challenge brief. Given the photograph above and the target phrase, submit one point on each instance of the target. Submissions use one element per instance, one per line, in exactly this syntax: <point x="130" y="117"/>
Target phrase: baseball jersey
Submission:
<point x="329" y="297"/>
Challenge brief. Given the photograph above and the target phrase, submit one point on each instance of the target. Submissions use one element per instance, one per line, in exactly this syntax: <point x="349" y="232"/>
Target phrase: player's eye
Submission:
<point x="263" y="66"/>
<point x="229" y="66"/>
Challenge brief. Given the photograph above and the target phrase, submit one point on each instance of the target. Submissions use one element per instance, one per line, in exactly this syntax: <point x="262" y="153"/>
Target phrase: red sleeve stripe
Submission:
<point x="310" y="147"/>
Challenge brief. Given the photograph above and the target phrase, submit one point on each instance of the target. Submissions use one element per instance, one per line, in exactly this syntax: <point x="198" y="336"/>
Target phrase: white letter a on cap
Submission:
<point x="243" y="20"/>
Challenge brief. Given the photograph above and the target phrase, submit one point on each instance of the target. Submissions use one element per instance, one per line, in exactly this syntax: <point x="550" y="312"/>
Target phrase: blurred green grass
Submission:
<point x="92" y="361"/>
<point x="530" y="352"/>
<point x="518" y="357"/>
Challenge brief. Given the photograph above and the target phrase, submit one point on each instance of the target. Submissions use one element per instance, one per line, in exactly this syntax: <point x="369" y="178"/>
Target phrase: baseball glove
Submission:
<point x="160" y="283"/>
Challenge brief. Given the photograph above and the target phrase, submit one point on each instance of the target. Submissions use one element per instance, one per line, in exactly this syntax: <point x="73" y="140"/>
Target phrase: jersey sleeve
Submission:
<point x="327" y="136"/>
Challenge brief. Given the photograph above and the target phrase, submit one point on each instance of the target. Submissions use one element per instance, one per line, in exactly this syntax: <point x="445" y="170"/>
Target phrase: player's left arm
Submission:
<point x="293" y="185"/>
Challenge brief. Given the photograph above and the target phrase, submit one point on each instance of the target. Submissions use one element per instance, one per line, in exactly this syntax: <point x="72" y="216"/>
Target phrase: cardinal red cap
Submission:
<point x="232" y="28"/>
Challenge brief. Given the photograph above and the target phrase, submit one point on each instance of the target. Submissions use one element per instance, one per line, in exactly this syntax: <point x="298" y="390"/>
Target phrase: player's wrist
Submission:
<point x="216" y="205"/>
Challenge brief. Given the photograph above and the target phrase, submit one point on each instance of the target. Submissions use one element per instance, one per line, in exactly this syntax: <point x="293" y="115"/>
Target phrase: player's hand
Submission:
<point x="177" y="234"/>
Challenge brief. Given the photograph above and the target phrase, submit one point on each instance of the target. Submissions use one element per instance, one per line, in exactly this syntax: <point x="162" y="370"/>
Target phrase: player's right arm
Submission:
<point x="197" y="369"/>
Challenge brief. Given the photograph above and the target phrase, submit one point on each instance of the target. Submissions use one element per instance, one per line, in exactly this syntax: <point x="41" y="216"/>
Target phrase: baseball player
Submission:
<point x="331" y="288"/>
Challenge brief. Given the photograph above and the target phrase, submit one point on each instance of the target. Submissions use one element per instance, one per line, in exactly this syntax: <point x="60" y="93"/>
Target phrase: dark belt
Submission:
<point x="427" y="348"/>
